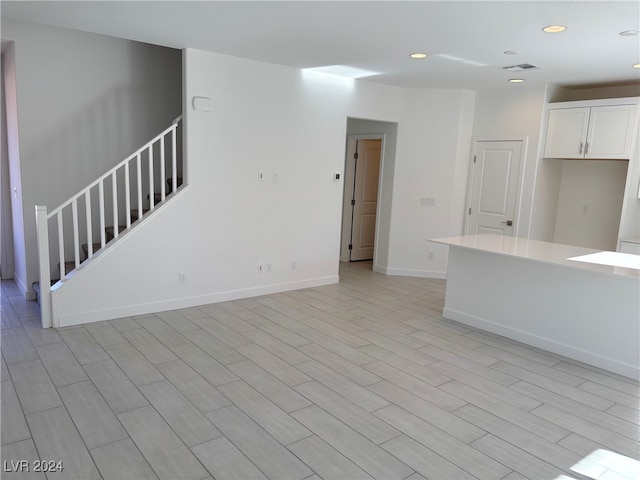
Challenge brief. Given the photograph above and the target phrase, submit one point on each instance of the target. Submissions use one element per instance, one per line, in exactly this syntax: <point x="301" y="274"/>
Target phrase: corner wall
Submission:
<point x="263" y="118"/>
<point x="84" y="102"/>
<point x="14" y="182"/>
<point x="599" y="184"/>
<point x="518" y="110"/>
<point x="434" y="146"/>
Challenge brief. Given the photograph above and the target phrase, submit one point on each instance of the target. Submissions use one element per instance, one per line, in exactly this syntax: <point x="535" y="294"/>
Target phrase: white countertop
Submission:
<point x="537" y="250"/>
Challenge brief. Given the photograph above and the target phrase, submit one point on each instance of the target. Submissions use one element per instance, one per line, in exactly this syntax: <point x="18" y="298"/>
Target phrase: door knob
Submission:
<point x="508" y="222"/>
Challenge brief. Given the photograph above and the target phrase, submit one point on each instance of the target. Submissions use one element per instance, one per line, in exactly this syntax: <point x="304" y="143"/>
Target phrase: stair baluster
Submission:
<point x="87" y="209"/>
<point x="70" y="238"/>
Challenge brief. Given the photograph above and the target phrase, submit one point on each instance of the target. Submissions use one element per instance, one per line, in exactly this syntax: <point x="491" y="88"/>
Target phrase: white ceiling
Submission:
<point x="465" y="40"/>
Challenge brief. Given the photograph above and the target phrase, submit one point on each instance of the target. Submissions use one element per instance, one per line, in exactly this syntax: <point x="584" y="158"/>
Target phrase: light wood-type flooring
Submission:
<point x="362" y="379"/>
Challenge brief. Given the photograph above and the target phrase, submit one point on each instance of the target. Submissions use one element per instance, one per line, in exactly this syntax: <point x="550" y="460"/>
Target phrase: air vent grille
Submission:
<point x="520" y="68"/>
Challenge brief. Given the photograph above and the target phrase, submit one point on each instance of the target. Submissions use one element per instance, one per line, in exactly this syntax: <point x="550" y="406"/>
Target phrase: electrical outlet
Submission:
<point x="275" y="176"/>
<point x="431" y="256"/>
<point x="260" y="176"/>
<point x="182" y="277"/>
<point x="585" y="208"/>
<point x="294" y="265"/>
<point x="261" y="268"/>
<point x="267" y="267"/>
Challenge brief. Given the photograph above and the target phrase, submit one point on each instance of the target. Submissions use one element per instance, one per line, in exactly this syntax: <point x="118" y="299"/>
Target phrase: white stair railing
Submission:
<point x="82" y="217"/>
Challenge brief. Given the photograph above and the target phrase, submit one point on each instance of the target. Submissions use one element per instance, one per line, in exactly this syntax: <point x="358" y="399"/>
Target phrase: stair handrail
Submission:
<point x="43" y="217"/>
<point x="117" y="167"/>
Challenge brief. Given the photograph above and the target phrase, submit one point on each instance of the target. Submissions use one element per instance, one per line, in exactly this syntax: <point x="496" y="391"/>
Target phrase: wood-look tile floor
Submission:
<point x="362" y="379"/>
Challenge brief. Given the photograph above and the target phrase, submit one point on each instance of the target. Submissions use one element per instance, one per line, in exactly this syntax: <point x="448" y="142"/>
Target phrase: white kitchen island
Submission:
<point x="531" y="291"/>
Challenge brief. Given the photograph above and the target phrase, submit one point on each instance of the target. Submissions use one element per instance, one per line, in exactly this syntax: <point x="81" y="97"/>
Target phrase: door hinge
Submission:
<point x="353" y="201"/>
<point x="474" y="159"/>
<point x="350" y="246"/>
<point x="469" y="211"/>
<point x="355" y="155"/>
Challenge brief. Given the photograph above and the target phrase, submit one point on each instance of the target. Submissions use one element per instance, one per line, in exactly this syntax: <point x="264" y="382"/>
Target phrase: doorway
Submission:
<point x="361" y="192"/>
<point x="6" y="223"/>
<point x="493" y="187"/>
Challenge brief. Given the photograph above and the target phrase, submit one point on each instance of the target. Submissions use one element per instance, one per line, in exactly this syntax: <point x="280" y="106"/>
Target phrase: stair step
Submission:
<point x="158" y="196"/>
<point x="68" y="267"/>
<point x="110" y="231"/>
<point x="85" y="248"/>
<point x="170" y="181"/>
<point x="134" y="214"/>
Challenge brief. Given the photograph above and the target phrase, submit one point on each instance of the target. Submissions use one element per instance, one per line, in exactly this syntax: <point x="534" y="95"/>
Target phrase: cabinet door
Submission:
<point x="566" y="132"/>
<point x="610" y="132"/>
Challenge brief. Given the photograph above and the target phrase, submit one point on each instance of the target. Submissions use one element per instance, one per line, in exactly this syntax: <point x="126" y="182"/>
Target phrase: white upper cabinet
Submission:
<point x="567" y="132"/>
<point x="604" y="131"/>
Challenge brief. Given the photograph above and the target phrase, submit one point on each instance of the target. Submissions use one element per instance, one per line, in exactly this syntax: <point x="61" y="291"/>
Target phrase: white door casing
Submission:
<point x="362" y="177"/>
<point x="493" y="187"/>
<point x="365" y="196"/>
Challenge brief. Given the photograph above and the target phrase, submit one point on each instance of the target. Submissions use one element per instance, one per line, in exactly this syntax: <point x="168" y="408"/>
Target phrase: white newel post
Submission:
<point x="42" y="230"/>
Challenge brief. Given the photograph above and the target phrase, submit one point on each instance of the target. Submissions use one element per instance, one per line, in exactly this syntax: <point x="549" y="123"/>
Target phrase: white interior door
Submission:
<point x="495" y="173"/>
<point x="364" y="201"/>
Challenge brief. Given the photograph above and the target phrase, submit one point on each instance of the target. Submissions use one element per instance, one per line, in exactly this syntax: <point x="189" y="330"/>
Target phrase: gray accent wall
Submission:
<point x="84" y="103"/>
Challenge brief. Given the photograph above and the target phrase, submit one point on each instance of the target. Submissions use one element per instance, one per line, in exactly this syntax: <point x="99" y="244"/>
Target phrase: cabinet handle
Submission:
<point x="581" y="145"/>
<point x="586" y="148"/>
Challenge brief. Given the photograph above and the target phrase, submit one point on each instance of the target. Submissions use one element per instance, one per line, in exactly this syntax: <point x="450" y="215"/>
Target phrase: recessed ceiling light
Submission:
<point x="636" y="65"/>
<point x="629" y="33"/>
<point x="554" y="28"/>
<point x="511" y="52"/>
<point x="516" y="80"/>
<point x="418" y="55"/>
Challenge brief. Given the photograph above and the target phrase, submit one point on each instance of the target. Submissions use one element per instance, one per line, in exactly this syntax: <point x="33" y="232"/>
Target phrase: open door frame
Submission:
<point x="349" y="179"/>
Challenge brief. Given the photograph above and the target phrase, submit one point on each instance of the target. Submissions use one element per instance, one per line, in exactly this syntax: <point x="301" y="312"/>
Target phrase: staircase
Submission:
<point x="110" y="233"/>
<point x="70" y="236"/>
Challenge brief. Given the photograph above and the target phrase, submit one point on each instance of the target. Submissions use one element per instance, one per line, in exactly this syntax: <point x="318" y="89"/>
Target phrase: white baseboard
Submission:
<point x="27" y="291"/>
<point x="404" y="272"/>
<point x="553" y="346"/>
<point x="67" y="320"/>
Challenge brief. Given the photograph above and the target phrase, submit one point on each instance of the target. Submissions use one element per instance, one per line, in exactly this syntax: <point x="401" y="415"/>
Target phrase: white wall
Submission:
<point x="12" y="196"/>
<point x="264" y="118"/>
<point x="564" y="94"/>
<point x="599" y="184"/>
<point x="434" y="145"/>
<point x="517" y="110"/>
<point x="85" y="102"/>
<point x="630" y="218"/>
<point x="6" y="233"/>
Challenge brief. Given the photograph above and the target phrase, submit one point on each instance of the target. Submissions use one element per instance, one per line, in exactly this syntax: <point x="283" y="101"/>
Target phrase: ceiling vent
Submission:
<point x="520" y="68"/>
